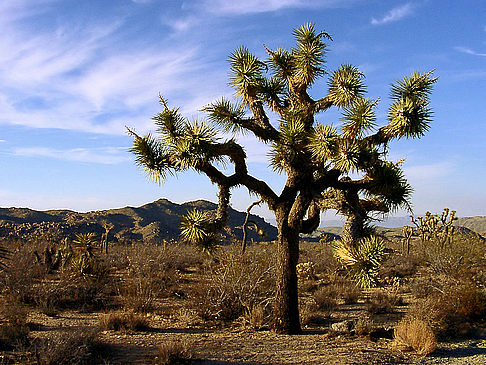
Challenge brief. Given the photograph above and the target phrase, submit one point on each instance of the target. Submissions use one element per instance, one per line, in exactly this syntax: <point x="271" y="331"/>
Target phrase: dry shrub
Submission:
<point x="382" y="301"/>
<point x="398" y="265"/>
<point x="173" y="352"/>
<point x="350" y="292"/>
<point x="151" y="274"/>
<point x="124" y="321"/>
<point x="363" y="326"/>
<point x="320" y="255"/>
<point x="326" y="298"/>
<point x="234" y="284"/>
<point x="74" y="346"/>
<point x="32" y="282"/>
<point x="311" y="316"/>
<point x="258" y="317"/>
<point x="452" y="309"/>
<point x="14" y="330"/>
<point x="415" y="334"/>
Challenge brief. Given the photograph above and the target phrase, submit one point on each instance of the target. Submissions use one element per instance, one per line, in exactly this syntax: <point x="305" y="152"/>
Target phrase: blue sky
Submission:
<point x="74" y="73"/>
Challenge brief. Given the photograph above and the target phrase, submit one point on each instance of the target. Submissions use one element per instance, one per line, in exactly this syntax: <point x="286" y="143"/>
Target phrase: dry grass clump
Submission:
<point x="382" y="301"/>
<point x="151" y="274"/>
<point x="35" y="282"/>
<point x="326" y="298"/>
<point x="415" y="334"/>
<point x="320" y="255"/>
<point x="78" y="346"/>
<point x="363" y="326"/>
<point x="173" y="352"/>
<point x="311" y="316"/>
<point x="258" y="317"/>
<point x="14" y="330"/>
<point x="452" y="308"/>
<point x="124" y="321"/>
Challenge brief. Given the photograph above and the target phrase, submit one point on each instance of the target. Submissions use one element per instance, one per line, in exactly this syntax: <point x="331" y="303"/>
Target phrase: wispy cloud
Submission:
<point x="394" y="14"/>
<point x="106" y="156"/>
<point x="469" y="51"/>
<point x="225" y="7"/>
<point x="78" y="78"/>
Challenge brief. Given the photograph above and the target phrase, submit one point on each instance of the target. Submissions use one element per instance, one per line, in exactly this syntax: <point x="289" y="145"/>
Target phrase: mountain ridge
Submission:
<point x="150" y="223"/>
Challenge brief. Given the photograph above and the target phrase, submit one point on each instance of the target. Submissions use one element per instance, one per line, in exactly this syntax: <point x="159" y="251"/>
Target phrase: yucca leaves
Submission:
<point x="281" y="63"/>
<point x="389" y="183"/>
<point x="359" y="118"/>
<point x="409" y="115"/>
<point x="152" y="156"/>
<point x="323" y="143"/>
<point x="346" y="85"/>
<point x="417" y="86"/>
<point x="195" y="229"/>
<point x="169" y="122"/>
<point x="226" y="114"/>
<point x="292" y="143"/>
<point x="363" y="260"/>
<point x="347" y="156"/>
<point x="308" y="56"/>
<point x="246" y="73"/>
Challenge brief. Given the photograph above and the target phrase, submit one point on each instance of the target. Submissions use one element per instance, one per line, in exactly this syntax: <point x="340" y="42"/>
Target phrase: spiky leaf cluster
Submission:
<point x="308" y="56"/>
<point x="195" y="228"/>
<point x="181" y="145"/>
<point x="409" y="115"/>
<point x="226" y="114"/>
<point x="323" y="143"/>
<point x="362" y="260"/>
<point x="359" y="118"/>
<point x="246" y="73"/>
<point x="346" y="85"/>
<point x="388" y="182"/>
<point x="291" y="146"/>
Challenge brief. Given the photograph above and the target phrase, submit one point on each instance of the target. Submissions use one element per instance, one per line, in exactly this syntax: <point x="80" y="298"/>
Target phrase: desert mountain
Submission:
<point x="150" y="223"/>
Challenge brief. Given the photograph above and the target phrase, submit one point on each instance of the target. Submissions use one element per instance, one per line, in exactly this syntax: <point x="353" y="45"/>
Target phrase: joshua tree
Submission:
<point x="317" y="159"/>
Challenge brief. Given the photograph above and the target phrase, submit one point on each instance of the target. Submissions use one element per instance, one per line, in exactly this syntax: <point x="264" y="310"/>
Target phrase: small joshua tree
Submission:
<point x="317" y="159"/>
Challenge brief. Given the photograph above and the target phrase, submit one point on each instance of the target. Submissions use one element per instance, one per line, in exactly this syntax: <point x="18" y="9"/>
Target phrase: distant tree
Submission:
<point x="317" y="159"/>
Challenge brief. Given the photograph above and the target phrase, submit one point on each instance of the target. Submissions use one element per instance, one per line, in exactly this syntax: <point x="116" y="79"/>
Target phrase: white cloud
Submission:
<point x="106" y="155"/>
<point x="394" y="15"/>
<point x="78" y="79"/>
<point x="469" y="51"/>
<point x="225" y="7"/>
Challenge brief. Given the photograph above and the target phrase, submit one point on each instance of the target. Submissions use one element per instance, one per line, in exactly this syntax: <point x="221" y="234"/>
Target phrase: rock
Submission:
<point x="343" y="327"/>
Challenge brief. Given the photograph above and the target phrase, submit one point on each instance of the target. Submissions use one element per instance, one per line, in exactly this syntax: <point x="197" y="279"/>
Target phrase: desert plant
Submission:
<point x="382" y="301"/>
<point x="317" y="159"/>
<point x="363" y="326"/>
<point x="14" y="330"/>
<point x="124" y="321"/>
<point x="151" y="274"/>
<point x="362" y="260"/>
<point x="78" y="346"/>
<point x="438" y="229"/>
<point x="415" y="334"/>
<point x="326" y="298"/>
<point x="173" y="352"/>
<point x="236" y="284"/>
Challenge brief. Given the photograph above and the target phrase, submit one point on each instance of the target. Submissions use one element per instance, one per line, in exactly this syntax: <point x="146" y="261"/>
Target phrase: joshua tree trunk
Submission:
<point x="286" y="307"/>
<point x="353" y="229"/>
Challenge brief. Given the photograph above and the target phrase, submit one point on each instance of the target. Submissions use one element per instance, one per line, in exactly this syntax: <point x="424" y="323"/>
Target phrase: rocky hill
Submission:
<point x="150" y="223"/>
